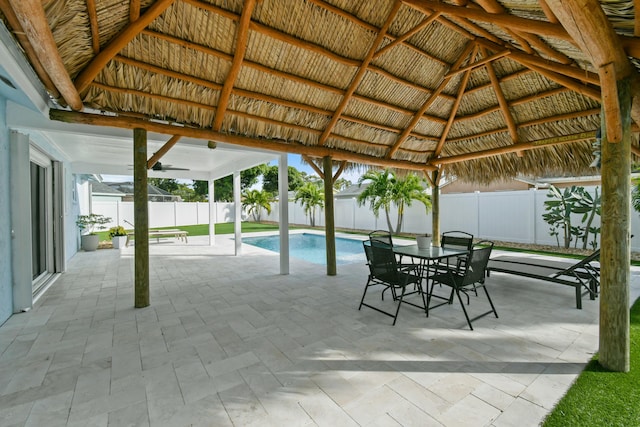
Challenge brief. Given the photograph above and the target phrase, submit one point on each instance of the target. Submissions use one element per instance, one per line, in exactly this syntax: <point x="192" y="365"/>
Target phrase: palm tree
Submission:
<point x="311" y="196"/>
<point x="386" y="189"/>
<point x="255" y="201"/>
<point x="407" y="190"/>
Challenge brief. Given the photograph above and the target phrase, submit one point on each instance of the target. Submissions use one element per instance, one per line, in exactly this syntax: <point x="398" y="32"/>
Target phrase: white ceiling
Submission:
<point x="109" y="151"/>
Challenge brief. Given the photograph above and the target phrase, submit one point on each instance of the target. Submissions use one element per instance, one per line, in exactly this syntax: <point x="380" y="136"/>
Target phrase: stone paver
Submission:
<point x="229" y="341"/>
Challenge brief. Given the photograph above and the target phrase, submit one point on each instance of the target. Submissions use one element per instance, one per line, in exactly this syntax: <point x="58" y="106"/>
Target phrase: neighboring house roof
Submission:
<point x="154" y="193"/>
<point x="100" y="188"/>
<point x="353" y="190"/>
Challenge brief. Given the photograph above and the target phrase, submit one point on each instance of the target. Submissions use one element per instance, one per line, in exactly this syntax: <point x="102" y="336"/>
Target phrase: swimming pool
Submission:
<point x="312" y="247"/>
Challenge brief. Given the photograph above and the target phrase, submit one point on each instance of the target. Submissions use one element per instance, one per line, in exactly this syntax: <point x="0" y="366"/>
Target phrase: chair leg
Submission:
<point x="490" y="301"/>
<point x="366" y="287"/>
<point x="399" y="304"/>
<point x="464" y="310"/>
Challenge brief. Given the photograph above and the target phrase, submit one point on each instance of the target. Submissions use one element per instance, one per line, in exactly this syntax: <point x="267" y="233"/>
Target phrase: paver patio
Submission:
<point x="228" y="341"/>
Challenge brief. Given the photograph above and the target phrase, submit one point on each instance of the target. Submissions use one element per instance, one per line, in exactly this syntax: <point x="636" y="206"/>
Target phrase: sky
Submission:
<point x="294" y="160"/>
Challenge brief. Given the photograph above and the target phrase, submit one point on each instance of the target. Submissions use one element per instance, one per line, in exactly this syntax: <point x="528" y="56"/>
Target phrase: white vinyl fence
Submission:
<point x="512" y="216"/>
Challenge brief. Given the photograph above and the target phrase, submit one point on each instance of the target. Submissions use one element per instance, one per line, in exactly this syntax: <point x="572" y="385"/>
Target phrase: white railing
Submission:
<point x="513" y="216"/>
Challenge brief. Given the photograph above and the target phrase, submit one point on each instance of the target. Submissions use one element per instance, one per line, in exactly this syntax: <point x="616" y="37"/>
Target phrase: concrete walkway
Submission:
<point x="227" y="341"/>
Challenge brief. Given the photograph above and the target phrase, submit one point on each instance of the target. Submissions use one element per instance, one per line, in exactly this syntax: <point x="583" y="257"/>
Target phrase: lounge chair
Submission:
<point x="582" y="274"/>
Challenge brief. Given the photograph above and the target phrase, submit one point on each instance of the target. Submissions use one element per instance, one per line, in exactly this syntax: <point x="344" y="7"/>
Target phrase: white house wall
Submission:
<point x="6" y="275"/>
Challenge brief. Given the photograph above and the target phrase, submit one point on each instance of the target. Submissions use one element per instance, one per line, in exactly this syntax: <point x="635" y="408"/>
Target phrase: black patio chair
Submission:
<point x="470" y="276"/>
<point x="384" y="270"/>
<point x="456" y="240"/>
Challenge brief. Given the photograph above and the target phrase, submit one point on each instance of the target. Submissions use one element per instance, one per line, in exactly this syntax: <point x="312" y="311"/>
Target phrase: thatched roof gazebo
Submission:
<point x="481" y="90"/>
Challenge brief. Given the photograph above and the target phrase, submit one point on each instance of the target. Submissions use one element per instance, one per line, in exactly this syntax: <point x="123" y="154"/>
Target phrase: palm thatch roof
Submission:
<point x="481" y="89"/>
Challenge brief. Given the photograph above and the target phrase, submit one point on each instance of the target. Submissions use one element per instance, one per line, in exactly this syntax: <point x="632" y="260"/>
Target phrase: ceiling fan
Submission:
<point x="161" y="168"/>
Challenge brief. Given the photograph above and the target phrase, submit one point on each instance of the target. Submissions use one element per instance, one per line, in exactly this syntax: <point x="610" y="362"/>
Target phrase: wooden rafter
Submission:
<point x="313" y="165"/>
<point x="568" y="139"/>
<point x="418" y="115"/>
<point x="415" y="30"/>
<point x="536" y="122"/>
<point x="533" y="60"/>
<point x="607" y="56"/>
<point x="454" y="109"/>
<point x="134" y="10"/>
<point x="93" y="26"/>
<point x="84" y="79"/>
<point x="551" y="17"/>
<point x="207" y="134"/>
<point x="359" y="75"/>
<point x="373" y="28"/>
<point x="242" y="35"/>
<point x="343" y="165"/>
<point x="19" y="34"/>
<point x="492" y="6"/>
<point x="568" y="82"/>
<point x="502" y="101"/>
<point x="636" y="25"/>
<point x="162" y="151"/>
<point x="193" y="104"/>
<point x="32" y="18"/>
<point x="478" y="63"/>
<point x="525" y="25"/>
<point x="209" y="51"/>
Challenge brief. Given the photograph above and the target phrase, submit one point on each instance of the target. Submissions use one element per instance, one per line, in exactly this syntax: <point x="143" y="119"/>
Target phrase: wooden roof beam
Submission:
<point x="303" y="44"/>
<point x="254" y="117"/>
<point x="206" y="134"/>
<point x="425" y="23"/>
<point x="32" y="18"/>
<point x="242" y="35"/>
<point x="360" y="74"/>
<point x="162" y="151"/>
<point x="543" y="120"/>
<point x="531" y="26"/>
<point x="602" y="45"/>
<point x="502" y="101"/>
<point x="20" y="35"/>
<point x="492" y="6"/>
<point x="551" y="17"/>
<point x="134" y="10"/>
<point x="530" y="60"/>
<point x="93" y="26"/>
<point x="568" y="139"/>
<point x="209" y="51"/>
<point x="568" y="82"/>
<point x="477" y="64"/>
<point x="323" y="4"/>
<point x="454" y="109"/>
<point x="425" y="106"/>
<point x="84" y="79"/>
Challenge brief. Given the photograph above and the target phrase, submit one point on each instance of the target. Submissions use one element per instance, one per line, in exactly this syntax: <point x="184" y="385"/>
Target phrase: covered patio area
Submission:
<point x="228" y="341"/>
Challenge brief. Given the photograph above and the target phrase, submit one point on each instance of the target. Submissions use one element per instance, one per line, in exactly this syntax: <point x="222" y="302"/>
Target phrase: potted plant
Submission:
<point x="423" y="240"/>
<point x="88" y="225"/>
<point x="118" y="236"/>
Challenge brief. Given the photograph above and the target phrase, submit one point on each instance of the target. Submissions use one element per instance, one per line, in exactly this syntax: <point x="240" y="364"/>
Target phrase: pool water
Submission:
<point x="312" y="248"/>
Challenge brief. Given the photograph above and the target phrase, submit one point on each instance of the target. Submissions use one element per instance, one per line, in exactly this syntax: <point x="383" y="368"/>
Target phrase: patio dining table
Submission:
<point x="427" y="258"/>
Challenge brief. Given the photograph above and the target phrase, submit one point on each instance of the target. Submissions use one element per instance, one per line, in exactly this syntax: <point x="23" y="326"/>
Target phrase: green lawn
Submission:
<point x="603" y="398"/>
<point x="203" y="229"/>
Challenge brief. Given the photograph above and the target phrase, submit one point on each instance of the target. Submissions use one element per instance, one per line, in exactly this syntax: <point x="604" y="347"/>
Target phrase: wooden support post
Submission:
<point x="435" y="208"/>
<point x="140" y="218"/>
<point x="329" y="218"/>
<point x="614" y="242"/>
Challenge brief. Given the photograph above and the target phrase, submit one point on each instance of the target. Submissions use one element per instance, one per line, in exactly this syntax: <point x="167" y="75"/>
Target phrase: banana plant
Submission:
<point x="559" y="210"/>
